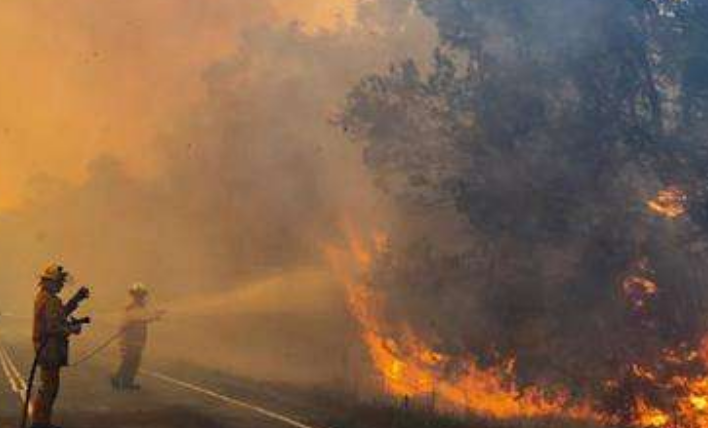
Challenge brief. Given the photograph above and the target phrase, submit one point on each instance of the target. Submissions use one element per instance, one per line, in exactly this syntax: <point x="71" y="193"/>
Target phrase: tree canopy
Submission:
<point x="550" y="125"/>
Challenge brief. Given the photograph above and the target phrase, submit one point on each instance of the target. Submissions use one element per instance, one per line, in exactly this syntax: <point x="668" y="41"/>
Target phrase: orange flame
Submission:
<point x="648" y="416"/>
<point x="689" y="409"/>
<point x="639" y="289"/>
<point x="410" y="368"/>
<point x="669" y="202"/>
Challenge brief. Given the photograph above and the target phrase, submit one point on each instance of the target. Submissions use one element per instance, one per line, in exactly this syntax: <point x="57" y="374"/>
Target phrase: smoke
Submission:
<point x="213" y="161"/>
<point x="93" y="78"/>
<point x="524" y="166"/>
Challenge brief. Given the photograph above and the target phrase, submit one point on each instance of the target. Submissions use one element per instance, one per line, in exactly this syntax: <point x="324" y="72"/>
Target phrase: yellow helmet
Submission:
<point x="54" y="272"/>
<point x="139" y="289"/>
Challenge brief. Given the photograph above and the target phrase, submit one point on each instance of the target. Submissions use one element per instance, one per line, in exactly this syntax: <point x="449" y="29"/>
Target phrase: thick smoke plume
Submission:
<point x="250" y="178"/>
<point x="552" y="170"/>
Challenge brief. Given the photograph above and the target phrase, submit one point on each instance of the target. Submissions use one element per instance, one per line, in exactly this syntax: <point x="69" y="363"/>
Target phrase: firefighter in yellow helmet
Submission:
<point x="133" y="337"/>
<point x="50" y="335"/>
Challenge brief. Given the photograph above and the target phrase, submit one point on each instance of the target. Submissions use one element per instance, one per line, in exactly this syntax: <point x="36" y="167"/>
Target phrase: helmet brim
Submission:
<point x="61" y="278"/>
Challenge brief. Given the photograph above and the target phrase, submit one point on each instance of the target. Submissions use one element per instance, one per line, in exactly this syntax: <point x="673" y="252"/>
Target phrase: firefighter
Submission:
<point x="133" y="337"/>
<point x="50" y="335"/>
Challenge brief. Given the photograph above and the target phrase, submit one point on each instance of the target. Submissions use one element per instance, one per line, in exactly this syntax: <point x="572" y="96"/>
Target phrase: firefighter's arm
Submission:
<point x="81" y="295"/>
<point x="147" y="316"/>
<point x="157" y="316"/>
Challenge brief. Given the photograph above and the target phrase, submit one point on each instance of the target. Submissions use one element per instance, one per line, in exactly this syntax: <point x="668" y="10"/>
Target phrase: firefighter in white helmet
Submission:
<point x="133" y="337"/>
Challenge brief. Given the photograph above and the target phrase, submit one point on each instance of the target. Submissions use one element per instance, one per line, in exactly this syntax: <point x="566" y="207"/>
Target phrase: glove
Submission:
<point x="74" y="329"/>
<point x="82" y="294"/>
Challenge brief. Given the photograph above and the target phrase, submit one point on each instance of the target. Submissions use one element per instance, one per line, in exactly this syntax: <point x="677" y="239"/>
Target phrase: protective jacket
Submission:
<point x="134" y="327"/>
<point x="50" y="333"/>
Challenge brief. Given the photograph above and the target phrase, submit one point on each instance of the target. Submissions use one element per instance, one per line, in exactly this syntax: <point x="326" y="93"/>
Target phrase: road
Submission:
<point x="169" y="398"/>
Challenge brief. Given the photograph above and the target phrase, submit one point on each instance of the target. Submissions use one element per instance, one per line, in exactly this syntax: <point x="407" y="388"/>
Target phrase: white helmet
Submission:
<point x="139" y="289"/>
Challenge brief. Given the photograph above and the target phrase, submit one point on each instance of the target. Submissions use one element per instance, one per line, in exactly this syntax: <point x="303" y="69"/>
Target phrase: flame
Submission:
<point x="692" y="407"/>
<point x="669" y="202"/>
<point x="639" y="290"/>
<point x="648" y="416"/>
<point x="688" y="405"/>
<point x="410" y="368"/>
<point x="689" y="408"/>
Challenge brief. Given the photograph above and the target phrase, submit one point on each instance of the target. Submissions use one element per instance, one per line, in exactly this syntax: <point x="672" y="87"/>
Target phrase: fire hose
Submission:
<point x="102" y="346"/>
<point x="85" y="358"/>
<point x="88" y="356"/>
<point x="33" y="370"/>
<point x="98" y="349"/>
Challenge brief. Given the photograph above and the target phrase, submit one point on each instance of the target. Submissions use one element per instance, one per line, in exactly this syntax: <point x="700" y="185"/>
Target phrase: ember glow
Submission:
<point x="411" y="369"/>
<point x="662" y="397"/>
<point x="650" y="416"/>
<point x="669" y="202"/>
<point x="639" y="290"/>
<point x="690" y="407"/>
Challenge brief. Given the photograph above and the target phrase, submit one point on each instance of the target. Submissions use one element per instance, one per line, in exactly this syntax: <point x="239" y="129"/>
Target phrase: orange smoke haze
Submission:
<point x="85" y="78"/>
<point x="222" y="166"/>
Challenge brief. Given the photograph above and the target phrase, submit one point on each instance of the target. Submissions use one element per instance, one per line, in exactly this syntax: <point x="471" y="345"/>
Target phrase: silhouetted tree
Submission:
<point x="549" y="124"/>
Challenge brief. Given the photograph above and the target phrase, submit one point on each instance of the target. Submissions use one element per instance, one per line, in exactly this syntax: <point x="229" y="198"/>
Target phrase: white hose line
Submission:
<point x="13" y="368"/>
<point x="17" y="383"/>
<point x="226" y="399"/>
<point x="8" y="374"/>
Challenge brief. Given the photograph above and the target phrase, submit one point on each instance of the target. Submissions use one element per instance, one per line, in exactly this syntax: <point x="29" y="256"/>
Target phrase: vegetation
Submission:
<point x="548" y="126"/>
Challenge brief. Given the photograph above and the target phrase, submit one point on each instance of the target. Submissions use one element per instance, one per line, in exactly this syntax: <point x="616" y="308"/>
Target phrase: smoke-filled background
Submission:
<point x="540" y="167"/>
<point x="190" y="145"/>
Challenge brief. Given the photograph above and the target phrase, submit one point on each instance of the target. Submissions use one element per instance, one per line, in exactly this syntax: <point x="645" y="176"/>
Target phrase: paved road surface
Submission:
<point x="167" y="399"/>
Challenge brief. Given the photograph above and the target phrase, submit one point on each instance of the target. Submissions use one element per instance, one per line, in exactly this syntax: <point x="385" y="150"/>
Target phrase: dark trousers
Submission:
<point x="43" y="401"/>
<point x="129" y="366"/>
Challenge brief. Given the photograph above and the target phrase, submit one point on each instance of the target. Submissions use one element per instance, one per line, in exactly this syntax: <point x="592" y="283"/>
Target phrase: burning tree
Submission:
<point x="571" y="138"/>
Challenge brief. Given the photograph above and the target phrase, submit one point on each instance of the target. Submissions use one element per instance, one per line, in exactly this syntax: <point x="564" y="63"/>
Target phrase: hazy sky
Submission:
<point x="82" y="77"/>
